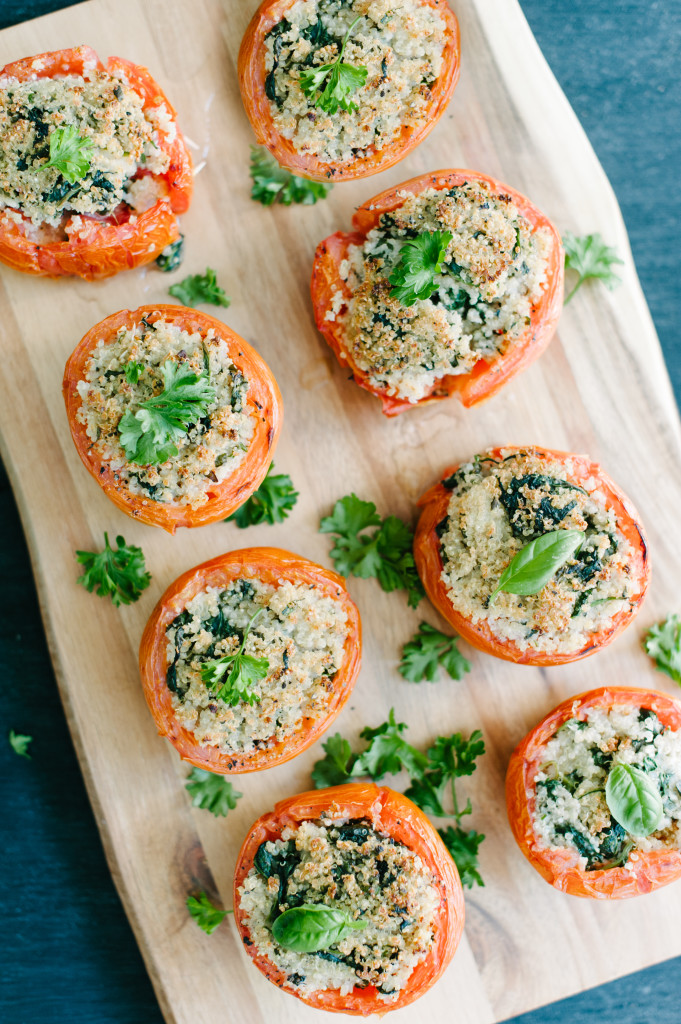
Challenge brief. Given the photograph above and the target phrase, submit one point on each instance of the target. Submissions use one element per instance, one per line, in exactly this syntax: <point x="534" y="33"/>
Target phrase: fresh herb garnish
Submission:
<point x="242" y="671"/>
<point x="206" y="914"/>
<point x="149" y="436"/>
<point x="463" y="848"/>
<point x="312" y="927"/>
<point x="342" y="81"/>
<point x="388" y="752"/>
<point x="271" y="503"/>
<point x="413" y="276"/>
<point x="634" y="800"/>
<point x="337" y="766"/>
<point x="116" y="572"/>
<point x="427" y="650"/>
<point x="449" y="758"/>
<point x="589" y="257"/>
<point x="385" y="553"/>
<point x="274" y="184"/>
<point x="70" y="153"/>
<point x="197" y="288"/>
<point x="19" y="743"/>
<point x="133" y="371"/>
<point x="211" y="792"/>
<point x="663" y="643"/>
<point x="533" y="566"/>
<point x="170" y="258"/>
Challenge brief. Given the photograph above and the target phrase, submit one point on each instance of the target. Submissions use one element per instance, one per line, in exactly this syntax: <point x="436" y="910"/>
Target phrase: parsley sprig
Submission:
<point x="271" y="503"/>
<point x="330" y="86"/>
<point x="663" y="643"/>
<point x="421" y="258"/>
<point x="274" y="184"/>
<point x="19" y="743"/>
<point x="432" y="776"/>
<point x="150" y="435"/>
<point x="198" y="288"/>
<point x="212" y="792"/>
<point x="119" y="573"/>
<point x="385" y="552"/>
<point x="429" y="649"/>
<point x="206" y="915"/>
<point x="70" y="153"/>
<point x="242" y="671"/>
<point x="590" y="258"/>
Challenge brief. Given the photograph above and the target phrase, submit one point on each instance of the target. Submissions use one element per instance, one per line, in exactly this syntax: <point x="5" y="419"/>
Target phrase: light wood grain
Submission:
<point x="601" y="388"/>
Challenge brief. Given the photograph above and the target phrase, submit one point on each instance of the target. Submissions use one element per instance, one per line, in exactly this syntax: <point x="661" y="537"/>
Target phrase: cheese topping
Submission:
<point x="496" y="508"/>
<point x="108" y="113"/>
<point x="298" y="630"/>
<point x="212" y="448"/>
<point x="493" y="274"/>
<point x="571" y="810"/>
<point x="399" y="42"/>
<point x="350" y="866"/>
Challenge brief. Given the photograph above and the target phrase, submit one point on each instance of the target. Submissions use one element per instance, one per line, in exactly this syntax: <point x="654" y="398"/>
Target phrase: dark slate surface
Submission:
<point x="69" y="954"/>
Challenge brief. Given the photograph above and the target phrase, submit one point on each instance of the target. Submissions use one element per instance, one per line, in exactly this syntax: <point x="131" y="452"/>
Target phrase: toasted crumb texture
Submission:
<point x="107" y="112"/>
<point x="298" y="630"/>
<point x="212" y="448"/>
<point x="399" y="42"/>
<point x="571" y="810"/>
<point x="347" y="865"/>
<point x="493" y="274"/>
<point x="498" y="506"/>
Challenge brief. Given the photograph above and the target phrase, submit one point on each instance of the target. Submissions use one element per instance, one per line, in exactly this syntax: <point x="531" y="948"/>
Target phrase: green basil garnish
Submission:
<point x="312" y="927"/>
<point x="634" y="800"/>
<point x="533" y="566"/>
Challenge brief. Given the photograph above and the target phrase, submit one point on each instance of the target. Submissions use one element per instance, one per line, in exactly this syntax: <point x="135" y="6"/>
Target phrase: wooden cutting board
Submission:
<point x="601" y="388"/>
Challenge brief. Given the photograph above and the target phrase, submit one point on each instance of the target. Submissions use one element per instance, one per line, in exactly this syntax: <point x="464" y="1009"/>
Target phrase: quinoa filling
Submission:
<point x="347" y="865"/>
<point x="122" y="144"/>
<point x="301" y="634"/>
<point x="399" y="42"/>
<point x="493" y="274"/>
<point x="499" y="505"/>
<point x="211" y="449"/>
<point x="571" y="810"/>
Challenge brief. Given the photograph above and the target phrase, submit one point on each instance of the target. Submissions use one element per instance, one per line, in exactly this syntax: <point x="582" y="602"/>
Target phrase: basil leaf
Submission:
<point x="312" y="927"/>
<point x="634" y="800"/>
<point x="533" y="566"/>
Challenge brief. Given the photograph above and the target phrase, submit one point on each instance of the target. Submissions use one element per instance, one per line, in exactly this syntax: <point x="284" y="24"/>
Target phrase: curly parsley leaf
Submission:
<point x="463" y="848"/>
<point x="338" y="764"/>
<point x="449" y="758"/>
<point x="19" y="744"/>
<point x="330" y="86"/>
<point x="133" y="371"/>
<point x="211" y="792"/>
<point x="70" y="153"/>
<point x="663" y="643"/>
<point x="429" y="649"/>
<point x="242" y="671"/>
<point x="271" y="503"/>
<point x="204" y="913"/>
<point x="413" y="276"/>
<point x="385" y="553"/>
<point x="274" y="184"/>
<point x="590" y="258"/>
<point x="116" y="572"/>
<point x="150" y="435"/>
<point x="199" y="288"/>
<point x="388" y="752"/>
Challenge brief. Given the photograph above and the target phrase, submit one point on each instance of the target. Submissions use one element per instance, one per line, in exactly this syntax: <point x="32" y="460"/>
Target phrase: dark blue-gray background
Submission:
<point x="69" y="954"/>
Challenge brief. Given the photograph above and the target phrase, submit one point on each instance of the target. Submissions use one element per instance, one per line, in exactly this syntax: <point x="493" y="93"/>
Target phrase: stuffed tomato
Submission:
<point x="249" y="657"/>
<point x="563" y="793"/>
<point x="482" y="518"/>
<point x="401" y="899"/>
<point x="94" y="169"/>
<point x="175" y="416"/>
<point x="341" y="89"/>
<point x="448" y="284"/>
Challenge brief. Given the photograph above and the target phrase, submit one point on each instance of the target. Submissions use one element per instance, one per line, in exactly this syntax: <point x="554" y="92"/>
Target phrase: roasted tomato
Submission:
<point x="99" y="245"/>
<point x="633" y="871"/>
<point x="256" y="83"/>
<point x="489" y="373"/>
<point x="580" y="476"/>
<point x="274" y="567"/>
<point x="390" y="814"/>
<point x="262" y="405"/>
